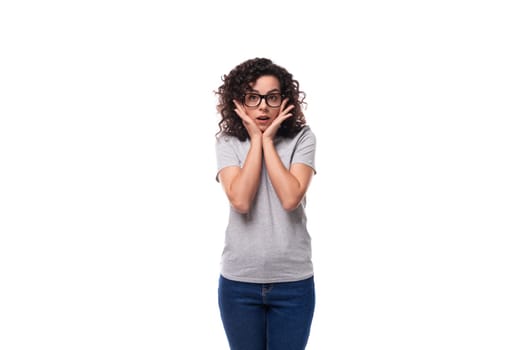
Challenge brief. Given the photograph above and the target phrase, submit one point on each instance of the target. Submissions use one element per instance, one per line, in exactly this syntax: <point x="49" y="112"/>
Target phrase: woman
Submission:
<point x="265" y="157"/>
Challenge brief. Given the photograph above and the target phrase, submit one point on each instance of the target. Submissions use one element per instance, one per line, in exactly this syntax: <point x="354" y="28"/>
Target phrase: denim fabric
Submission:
<point x="272" y="316"/>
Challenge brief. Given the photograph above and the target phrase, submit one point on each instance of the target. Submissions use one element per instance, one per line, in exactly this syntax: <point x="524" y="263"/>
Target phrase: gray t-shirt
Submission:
<point x="268" y="244"/>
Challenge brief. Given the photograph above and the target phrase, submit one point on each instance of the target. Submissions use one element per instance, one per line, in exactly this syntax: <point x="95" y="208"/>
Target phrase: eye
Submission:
<point x="252" y="97"/>
<point x="274" y="97"/>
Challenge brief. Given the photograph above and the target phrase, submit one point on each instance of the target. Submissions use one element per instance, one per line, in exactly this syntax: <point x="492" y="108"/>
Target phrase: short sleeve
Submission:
<point x="226" y="155"/>
<point x="305" y="149"/>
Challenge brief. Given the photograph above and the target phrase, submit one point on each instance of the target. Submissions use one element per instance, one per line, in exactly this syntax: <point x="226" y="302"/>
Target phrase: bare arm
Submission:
<point x="240" y="184"/>
<point x="290" y="185"/>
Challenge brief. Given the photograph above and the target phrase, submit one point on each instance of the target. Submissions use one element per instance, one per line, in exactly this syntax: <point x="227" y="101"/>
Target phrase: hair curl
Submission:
<point x="237" y="82"/>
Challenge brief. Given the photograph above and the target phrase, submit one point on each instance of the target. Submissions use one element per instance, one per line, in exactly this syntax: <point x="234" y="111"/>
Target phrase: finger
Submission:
<point x="287" y="112"/>
<point x="283" y="105"/>
<point x="288" y="109"/>
<point x="283" y="117"/>
<point x="241" y="113"/>
<point x="237" y="104"/>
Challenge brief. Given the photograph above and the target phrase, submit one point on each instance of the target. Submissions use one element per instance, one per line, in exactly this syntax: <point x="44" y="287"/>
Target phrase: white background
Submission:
<point x="112" y="224"/>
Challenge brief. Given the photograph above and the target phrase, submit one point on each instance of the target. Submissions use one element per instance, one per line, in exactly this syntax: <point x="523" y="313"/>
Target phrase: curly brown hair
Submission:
<point x="237" y="82"/>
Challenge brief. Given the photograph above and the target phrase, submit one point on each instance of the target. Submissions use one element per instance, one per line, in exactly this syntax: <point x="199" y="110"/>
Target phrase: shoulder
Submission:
<point x="305" y="131"/>
<point x="305" y="135"/>
<point x="224" y="139"/>
<point x="232" y="143"/>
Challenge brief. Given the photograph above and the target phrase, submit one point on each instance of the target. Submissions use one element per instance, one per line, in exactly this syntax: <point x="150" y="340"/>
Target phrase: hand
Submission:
<point x="284" y="114"/>
<point x="249" y="124"/>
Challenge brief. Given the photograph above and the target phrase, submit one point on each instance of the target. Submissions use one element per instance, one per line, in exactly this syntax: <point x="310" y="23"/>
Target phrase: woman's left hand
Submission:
<point x="284" y="114"/>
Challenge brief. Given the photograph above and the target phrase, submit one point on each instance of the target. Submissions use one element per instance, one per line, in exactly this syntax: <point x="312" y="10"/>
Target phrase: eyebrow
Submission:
<point x="258" y="92"/>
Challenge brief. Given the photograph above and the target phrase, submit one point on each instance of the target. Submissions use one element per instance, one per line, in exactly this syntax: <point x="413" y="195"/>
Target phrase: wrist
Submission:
<point x="267" y="140"/>
<point x="256" y="138"/>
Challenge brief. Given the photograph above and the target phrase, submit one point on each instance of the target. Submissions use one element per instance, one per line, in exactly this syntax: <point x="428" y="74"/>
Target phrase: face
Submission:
<point x="263" y="114"/>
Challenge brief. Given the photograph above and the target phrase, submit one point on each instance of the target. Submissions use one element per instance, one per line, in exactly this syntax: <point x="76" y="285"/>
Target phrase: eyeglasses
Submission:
<point x="252" y="99"/>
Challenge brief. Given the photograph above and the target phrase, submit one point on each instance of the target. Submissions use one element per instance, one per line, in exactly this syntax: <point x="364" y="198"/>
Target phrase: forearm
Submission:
<point x="244" y="186"/>
<point x="286" y="185"/>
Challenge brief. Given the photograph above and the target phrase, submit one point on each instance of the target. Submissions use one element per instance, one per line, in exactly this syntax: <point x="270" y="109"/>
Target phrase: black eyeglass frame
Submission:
<point x="261" y="97"/>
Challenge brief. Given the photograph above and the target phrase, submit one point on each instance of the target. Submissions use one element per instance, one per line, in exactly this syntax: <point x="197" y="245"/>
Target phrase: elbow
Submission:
<point x="240" y="207"/>
<point x="292" y="202"/>
<point x="290" y="206"/>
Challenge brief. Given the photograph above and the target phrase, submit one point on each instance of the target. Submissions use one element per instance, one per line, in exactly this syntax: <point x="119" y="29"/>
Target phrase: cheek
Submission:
<point x="274" y="113"/>
<point x="252" y="114"/>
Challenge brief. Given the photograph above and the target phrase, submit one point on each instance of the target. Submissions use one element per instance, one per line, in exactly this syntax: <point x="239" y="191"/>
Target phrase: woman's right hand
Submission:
<point x="249" y="124"/>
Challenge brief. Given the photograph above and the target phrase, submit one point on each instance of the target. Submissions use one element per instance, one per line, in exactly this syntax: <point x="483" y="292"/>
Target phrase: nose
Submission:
<point x="263" y="105"/>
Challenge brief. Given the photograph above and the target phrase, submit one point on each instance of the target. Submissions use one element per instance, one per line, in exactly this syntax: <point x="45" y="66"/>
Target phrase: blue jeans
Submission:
<point x="273" y="316"/>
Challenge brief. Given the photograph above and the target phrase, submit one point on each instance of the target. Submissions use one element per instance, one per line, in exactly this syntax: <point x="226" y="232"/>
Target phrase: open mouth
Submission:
<point x="263" y="118"/>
